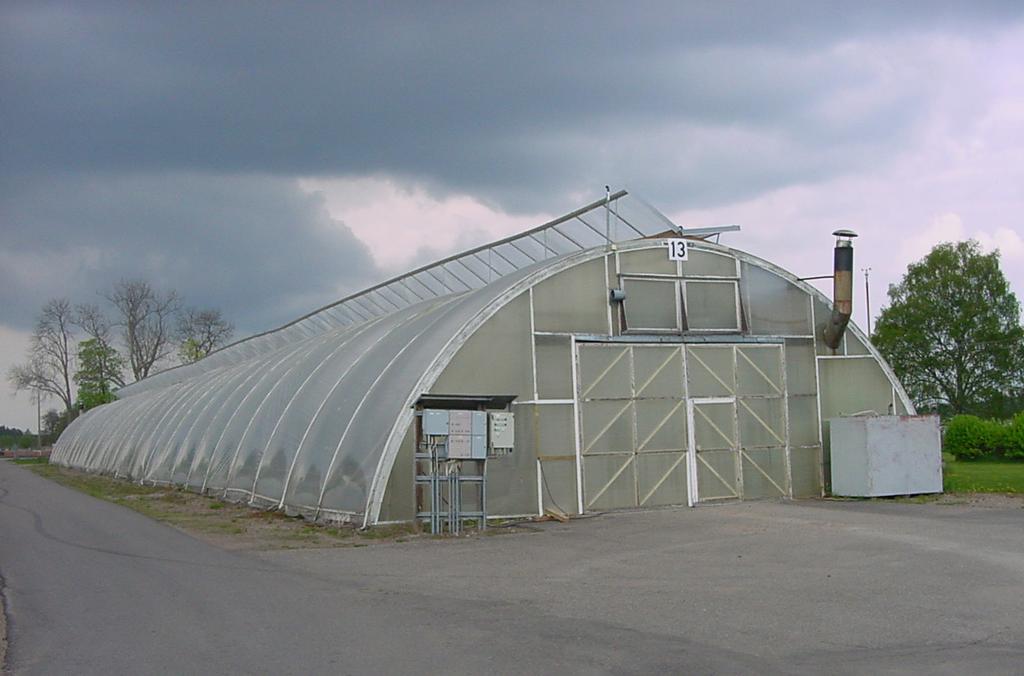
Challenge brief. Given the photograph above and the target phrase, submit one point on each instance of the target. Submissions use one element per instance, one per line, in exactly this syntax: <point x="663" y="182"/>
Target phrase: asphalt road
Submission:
<point x="805" y="587"/>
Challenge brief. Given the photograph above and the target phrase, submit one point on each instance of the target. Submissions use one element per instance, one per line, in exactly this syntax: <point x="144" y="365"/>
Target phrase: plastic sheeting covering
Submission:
<point x="301" y="427"/>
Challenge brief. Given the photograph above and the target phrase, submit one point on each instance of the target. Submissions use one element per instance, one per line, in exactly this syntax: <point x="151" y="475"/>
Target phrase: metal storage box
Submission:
<point x="875" y="456"/>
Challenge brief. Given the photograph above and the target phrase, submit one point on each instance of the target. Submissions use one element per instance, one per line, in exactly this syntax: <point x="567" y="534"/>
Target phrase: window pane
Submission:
<point x="711" y="305"/>
<point x="650" y="304"/>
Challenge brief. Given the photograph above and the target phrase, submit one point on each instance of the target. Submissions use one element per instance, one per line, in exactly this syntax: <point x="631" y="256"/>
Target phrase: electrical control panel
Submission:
<point x="469" y="435"/>
<point x="501" y="433"/>
<point x="435" y="423"/>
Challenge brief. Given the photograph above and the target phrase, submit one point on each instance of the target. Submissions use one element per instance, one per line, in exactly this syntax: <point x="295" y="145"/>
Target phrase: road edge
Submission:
<point x="3" y="626"/>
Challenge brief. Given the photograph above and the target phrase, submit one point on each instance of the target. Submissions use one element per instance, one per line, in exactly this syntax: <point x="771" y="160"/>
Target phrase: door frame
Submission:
<point x="692" y="494"/>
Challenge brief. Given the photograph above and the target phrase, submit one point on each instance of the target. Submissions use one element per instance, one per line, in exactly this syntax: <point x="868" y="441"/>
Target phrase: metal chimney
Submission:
<point x="842" y="288"/>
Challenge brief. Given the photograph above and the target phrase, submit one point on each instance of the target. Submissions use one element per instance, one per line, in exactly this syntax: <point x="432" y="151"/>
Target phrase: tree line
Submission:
<point x="12" y="437"/>
<point x="81" y="354"/>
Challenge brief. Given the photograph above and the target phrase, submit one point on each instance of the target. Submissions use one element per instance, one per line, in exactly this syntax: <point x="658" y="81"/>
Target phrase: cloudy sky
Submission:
<point x="267" y="158"/>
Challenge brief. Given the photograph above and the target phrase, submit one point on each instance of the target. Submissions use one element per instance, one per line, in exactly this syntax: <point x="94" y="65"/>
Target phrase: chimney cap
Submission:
<point x="843" y="232"/>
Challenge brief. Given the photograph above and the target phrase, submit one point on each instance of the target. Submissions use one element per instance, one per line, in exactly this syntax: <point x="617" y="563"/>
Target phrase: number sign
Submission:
<point x="677" y="249"/>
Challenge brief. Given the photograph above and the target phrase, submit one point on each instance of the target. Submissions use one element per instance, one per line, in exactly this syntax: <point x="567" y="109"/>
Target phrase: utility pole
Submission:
<point x="867" y="300"/>
<point x="39" y="421"/>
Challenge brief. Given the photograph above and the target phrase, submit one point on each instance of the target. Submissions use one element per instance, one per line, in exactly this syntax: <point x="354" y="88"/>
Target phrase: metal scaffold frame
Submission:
<point x="446" y="481"/>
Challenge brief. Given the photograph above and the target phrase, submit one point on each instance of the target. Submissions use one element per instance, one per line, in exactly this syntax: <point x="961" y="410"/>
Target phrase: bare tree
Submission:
<point x="201" y="332"/>
<point x="91" y="319"/>
<point x="50" y="355"/>
<point x="146" y="318"/>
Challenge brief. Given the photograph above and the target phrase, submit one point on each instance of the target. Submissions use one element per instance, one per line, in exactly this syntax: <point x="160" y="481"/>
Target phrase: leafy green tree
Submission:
<point x="190" y="351"/>
<point x="952" y="332"/>
<point x="97" y="326"/>
<point x="100" y="371"/>
<point x="54" y="422"/>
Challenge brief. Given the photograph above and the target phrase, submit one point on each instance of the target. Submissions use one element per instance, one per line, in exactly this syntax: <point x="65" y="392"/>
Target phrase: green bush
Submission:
<point x="969" y="437"/>
<point x="966" y="437"/>
<point x="1015" y="438"/>
<point x="998" y="438"/>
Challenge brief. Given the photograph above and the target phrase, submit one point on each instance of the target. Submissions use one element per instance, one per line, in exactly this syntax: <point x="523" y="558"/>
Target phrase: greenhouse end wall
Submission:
<point x="606" y="394"/>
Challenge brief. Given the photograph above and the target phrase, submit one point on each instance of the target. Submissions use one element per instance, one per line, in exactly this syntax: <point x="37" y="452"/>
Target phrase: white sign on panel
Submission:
<point x="677" y="249"/>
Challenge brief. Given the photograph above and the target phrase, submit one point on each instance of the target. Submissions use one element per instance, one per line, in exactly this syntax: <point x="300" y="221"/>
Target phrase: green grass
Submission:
<point x="982" y="476"/>
<point x="95" y="485"/>
<point x="32" y="461"/>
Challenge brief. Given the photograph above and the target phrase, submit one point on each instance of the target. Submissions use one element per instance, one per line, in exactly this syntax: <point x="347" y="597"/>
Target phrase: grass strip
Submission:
<point x="982" y="476"/>
<point x="231" y="525"/>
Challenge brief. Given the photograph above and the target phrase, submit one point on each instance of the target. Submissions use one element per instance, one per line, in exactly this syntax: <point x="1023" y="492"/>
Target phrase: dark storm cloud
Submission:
<point x="258" y="248"/>
<point x="517" y="102"/>
<point x="163" y="139"/>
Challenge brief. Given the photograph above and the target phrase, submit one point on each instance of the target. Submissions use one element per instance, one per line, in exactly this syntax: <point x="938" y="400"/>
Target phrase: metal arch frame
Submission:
<point x="327" y="397"/>
<point x="346" y="339"/>
<point x="206" y="397"/>
<point x="315" y="344"/>
<point x="89" y="447"/>
<point x="176" y="413"/>
<point x="127" y="429"/>
<point x="230" y="381"/>
<point x="233" y="385"/>
<point x="71" y="450"/>
<point x="73" y="431"/>
<point x="348" y="426"/>
<point x="118" y="433"/>
<point x="269" y="368"/>
<point x="389" y="454"/>
<point x="147" y="443"/>
<point x="132" y="433"/>
<point x="65" y="445"/>
<point x="322" y="341"/>
<point x="161" y="439"/>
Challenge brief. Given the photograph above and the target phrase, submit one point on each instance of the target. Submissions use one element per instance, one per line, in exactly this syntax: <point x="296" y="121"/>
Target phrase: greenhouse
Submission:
<point x="606" y="360"/>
